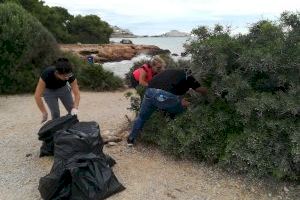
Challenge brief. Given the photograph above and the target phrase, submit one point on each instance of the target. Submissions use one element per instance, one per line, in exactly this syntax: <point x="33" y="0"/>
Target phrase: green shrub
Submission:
<point x="26" y="46"/>
<point x="257" y="77"/>
<point x="249" y="121"/>
<point x="94" y="77"/>
<point x="89" y="29"/>
<point x="270" y="141"/>
<point x="201" y="132"/>
<point x="67" y="28"/>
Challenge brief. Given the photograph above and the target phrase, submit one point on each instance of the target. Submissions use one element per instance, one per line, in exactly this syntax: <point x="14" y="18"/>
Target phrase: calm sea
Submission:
<point x="174" y="44"/>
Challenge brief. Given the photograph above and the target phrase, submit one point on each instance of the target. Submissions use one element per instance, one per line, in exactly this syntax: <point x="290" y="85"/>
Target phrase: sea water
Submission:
<point x="174" y="44"/>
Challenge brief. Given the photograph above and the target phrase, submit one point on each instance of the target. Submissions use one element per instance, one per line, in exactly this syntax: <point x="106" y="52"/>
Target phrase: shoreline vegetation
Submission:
<point x="249" y="121"/>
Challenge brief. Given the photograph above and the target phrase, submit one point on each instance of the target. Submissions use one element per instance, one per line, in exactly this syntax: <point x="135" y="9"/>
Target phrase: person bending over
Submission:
<point x="146" y="72"/>
<point x="54" y="83"/>
<point x="164" y="92"/>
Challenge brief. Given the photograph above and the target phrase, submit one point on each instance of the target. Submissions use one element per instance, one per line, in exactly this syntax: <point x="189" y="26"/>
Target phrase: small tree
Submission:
<point x="89" y="29"/>
<point x="25" y="47"/>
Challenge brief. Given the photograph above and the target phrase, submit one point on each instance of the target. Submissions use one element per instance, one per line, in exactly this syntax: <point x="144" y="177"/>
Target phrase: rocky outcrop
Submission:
<point x="121" y="33"/>
<point x="175" y="33"/>
<point x="111" y="52"/>
<point x="126" y="41"/>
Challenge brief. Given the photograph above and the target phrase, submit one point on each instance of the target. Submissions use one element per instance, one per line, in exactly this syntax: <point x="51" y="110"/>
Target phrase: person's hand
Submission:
<point x="74" y="111"/>
<point x="44" y="117"/>
<point x="185" y="103"/>
<point x="202" y="90"/>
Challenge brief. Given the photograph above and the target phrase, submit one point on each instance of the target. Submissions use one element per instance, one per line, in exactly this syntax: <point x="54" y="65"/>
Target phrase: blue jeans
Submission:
<point x="155" y="99"/>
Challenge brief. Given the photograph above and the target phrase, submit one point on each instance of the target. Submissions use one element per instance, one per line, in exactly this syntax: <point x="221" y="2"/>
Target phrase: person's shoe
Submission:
<point x="130" y="142"/>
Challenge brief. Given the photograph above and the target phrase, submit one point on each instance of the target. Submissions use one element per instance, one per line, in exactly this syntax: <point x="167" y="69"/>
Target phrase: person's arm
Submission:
<point x="142" y="78"/>
<point x="75" y="90"/>
<point x="195" y="85"/>
<point x="201" y="90"/>
<point x="185" y="102"/>
<point x="38" y="98"/>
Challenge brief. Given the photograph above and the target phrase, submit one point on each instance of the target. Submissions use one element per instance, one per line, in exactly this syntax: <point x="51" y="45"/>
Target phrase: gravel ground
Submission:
<point x="144" y="171"/>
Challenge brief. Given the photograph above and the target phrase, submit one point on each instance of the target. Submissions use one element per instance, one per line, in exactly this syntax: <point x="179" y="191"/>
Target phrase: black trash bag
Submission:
<point x="93" y="179"/>
<point x="47" y="148"/>
<point x="56" y="185"/>
<point x="80" y="170"/>
<point x="47" y="132"/>
<point x="109" y="160"/>
<point x="84" y="178"/>
<point x="93" y="130"/>
<point x="80" y="139"/>
<point x="50" y="127"/>
<point x="93" y="133"/>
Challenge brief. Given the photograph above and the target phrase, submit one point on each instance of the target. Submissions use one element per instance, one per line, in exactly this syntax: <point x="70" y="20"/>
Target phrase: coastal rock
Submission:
<point x="110" y="144"/>
<point x="111" y="52"/>
<point x="126" y="41"/>
<point x="175" y="33"/>
<point x="121" y="33"/>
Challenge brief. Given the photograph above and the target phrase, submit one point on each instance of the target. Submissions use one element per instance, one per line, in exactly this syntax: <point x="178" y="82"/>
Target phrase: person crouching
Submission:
<point x="145" y="73"/>
<point x="164" y="92"/>
<point x="57" y="82"/>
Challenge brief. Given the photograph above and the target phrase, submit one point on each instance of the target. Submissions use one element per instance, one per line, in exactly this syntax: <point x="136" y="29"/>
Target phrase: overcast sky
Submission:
<point x="151" y="17"/>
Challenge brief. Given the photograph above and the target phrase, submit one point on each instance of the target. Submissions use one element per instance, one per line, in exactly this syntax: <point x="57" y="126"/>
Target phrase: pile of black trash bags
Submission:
<point x="81" y="171"/>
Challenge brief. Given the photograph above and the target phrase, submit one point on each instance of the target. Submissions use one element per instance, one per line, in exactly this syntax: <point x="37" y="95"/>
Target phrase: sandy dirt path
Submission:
<point x="146" y="173"/>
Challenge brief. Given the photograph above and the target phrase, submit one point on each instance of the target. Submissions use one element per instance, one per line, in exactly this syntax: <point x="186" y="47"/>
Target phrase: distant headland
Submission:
<point x="125" y="33"/>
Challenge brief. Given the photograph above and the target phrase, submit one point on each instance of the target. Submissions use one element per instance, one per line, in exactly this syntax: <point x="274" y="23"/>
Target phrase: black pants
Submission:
<point x="51" y="98"/>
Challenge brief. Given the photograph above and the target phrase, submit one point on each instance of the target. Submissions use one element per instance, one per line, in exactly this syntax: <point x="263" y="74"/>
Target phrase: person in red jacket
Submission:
<point x="145" y="73"/>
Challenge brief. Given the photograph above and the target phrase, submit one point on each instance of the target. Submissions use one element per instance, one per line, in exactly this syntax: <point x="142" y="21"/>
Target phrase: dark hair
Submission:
<point x="63" y="66"/>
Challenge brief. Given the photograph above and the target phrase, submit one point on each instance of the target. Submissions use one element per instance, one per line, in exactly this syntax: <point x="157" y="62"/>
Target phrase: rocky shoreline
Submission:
<point x="111" y="52"/>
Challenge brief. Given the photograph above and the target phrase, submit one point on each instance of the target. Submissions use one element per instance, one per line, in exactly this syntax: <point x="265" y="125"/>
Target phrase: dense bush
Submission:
<point x="25" y="47"/>
<point x="65" y="27"/>
<point x="94" y="77"/>
<point x="249" y="121"/>
<point x="55" y="19"/>
<point x="89" y="29"/>
<point x="258" y="75"/>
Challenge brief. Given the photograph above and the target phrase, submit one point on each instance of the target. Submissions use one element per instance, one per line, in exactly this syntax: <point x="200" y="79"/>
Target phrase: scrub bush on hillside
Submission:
<point x="249" y="121"/>
<point x="26" y="46"/>
<point x="93" y="77"/>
